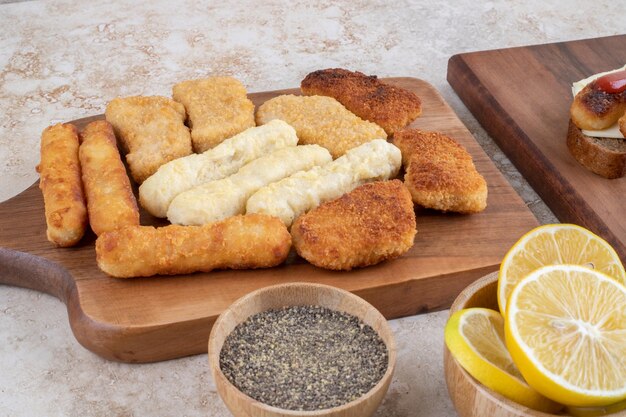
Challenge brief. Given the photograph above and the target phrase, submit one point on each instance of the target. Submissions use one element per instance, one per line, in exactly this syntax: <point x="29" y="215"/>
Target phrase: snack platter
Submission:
<point x="532" y="127"/>
<point x="164" y="317"/>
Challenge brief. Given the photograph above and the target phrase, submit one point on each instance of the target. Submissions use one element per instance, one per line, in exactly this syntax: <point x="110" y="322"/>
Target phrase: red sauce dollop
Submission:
<point x="612" y="83"/>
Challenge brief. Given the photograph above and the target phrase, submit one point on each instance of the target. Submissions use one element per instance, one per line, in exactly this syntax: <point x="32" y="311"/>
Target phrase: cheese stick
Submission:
<point x="241" y="242"/>
<point x="289" y="198"/>
<point x="219" y="199"/>
<point x="110" y="200"/>
<point x="61" y="185"/>
<point x="157" y="192"/>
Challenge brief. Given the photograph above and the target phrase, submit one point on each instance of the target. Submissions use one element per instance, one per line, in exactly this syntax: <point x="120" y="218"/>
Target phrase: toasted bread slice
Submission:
<point x="603" y="156"/>
<point x="390" y="107"/>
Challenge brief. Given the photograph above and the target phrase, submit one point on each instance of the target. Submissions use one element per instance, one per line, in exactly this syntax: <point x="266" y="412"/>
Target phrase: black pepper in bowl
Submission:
<point x="304" y="358"/>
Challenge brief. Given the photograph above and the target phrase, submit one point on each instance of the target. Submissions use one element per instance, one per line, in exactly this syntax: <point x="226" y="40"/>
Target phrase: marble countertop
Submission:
<point x="62" y="60"/>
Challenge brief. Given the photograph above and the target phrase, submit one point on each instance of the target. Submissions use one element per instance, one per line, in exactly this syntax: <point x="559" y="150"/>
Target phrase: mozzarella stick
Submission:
<point x="290" y="197"/>
<point x="110" y="200"/>
<point x="241" y="242"/>
<point x="157" y="192"/>
<point x="219" y="199"/>
<point x="61" y="185"/>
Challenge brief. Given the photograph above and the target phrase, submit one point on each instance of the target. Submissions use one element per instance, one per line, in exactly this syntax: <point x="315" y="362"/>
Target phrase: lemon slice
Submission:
<point x="566" y="331"/>
<point x="555" y="244"/>
<point x="475" y="338"/>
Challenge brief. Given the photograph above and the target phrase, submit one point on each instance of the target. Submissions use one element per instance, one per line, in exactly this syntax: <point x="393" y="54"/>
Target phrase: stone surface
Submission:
<point x="62" y="60"/>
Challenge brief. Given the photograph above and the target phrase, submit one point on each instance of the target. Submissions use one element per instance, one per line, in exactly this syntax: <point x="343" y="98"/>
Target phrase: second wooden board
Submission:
<point x="522" y="97"/>
<point x="158" y="318"/>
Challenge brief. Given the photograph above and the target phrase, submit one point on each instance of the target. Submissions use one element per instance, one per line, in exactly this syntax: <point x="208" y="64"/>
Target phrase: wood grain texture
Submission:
<point x="470" y="397"/>
<point x="164" y="317"/>
<point x="522" y="96"/>
<point x="298" y="294"/>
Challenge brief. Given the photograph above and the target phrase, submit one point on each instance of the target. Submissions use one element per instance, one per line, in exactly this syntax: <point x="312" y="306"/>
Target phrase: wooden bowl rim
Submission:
<point x="294" y="286"/>
<point x="483" y="391"/>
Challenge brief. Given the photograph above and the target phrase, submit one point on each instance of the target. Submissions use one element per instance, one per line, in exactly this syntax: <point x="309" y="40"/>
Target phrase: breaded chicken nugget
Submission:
<point x="392" y="108"/>
<point x="157" y="192"/>
<point x="110" y="200"/>
<point x="241" y="242"/>
<point x="61" y="185"/>
<point x="305" y="190"/>
<point x="227" y="197"/>
<point x="152" y="131"/>
<point x="439" y="172"/>
<point x="371" y="224"/>
<point x="322" y="121"/>
<point x="217" y="108"/>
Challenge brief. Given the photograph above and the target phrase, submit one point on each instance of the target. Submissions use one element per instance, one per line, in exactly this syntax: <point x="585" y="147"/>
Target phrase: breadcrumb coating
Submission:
<point x="322" y="121"/>
<point x="440" y="173"/>
<point x="390" y="107"/>
<point x="151" y="130"/>
<point x="373" y="223"/>
<point x="240" y="242"/>
<point x="217" y="108"/>
<point x="110" y="200"/>
<point x="61" y="185"/>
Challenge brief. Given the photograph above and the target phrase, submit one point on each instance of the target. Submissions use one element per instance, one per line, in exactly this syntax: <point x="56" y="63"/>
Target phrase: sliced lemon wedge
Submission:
<point x="566" y="331"/>
<point x="554" y="244"/>
<point x="475" y="338"/>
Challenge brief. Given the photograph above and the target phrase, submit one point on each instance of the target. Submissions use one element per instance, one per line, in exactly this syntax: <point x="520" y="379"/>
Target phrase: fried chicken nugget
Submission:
<point x="305" y="190"/>
<point x="151" y="130"/>
<point x="373" y="223"/>
<point x="392" y="108"/>
<point x="61" y="185"/>
<point x="219" y="199"/>
<point x="322" y="121"/>
<point x="241" y="242"/>
<point x="217" y="108"/>
<point x="440" y="173"/>
<point x="110" y="200"/>
<point x="157" y="192"/>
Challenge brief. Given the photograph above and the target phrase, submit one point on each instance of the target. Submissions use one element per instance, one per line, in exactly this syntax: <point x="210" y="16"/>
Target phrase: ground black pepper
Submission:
<point x="304" y="358"/>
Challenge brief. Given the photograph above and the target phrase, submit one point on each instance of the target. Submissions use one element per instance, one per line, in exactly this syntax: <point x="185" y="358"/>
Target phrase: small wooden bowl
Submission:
<point x="470" y="397"/>
<point x="293" y="294"/>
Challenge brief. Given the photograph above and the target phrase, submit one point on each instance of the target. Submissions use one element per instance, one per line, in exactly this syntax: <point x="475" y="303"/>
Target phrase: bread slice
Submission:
<point x="603" y="156"/>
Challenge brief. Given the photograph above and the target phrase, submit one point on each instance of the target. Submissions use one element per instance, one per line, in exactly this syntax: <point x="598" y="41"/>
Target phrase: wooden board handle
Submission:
<point x="29" y="271"/>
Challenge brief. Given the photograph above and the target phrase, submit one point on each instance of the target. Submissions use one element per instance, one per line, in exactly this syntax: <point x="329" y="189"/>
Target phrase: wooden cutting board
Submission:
<point x="158" y="318"/>
<point x="522" y="96"/>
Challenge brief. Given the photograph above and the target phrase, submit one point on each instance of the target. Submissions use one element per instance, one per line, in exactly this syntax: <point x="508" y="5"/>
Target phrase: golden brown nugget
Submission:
<point x="373" y="223"/>
<point x="151" y="130"/>
<point x="110" y="200"/>
<point x="217" y="108"/>
<point x="322" y="121"/>
<point x="61" y="185"/>
<point x="390" y="107"/>
<point x="240" y="242"/>
<point x="440" y="173"/>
